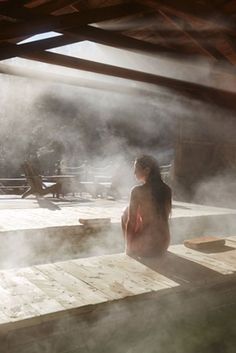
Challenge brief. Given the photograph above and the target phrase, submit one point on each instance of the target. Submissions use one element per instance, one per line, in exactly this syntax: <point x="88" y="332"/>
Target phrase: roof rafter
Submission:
<point x="201" y="48"/>
<point x="19" y="11"/>
<point x="207" y="49"/>
<point x="9" y="50"/>
<point x="57" y="23"/>
<point x="220" y="41"/>
<point x="181" y="10"/>
<point x="188" y="89"/>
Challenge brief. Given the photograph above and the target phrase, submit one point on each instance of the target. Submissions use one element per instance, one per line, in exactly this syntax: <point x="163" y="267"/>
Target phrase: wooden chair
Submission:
<point x="36" y="185"/>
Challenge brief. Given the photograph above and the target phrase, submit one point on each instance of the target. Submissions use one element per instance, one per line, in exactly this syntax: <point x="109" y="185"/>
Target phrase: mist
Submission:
<point x="76" y="124"/>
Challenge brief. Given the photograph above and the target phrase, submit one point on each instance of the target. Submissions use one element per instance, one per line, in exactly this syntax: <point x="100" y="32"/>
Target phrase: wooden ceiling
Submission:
<point x="180" y="29"/>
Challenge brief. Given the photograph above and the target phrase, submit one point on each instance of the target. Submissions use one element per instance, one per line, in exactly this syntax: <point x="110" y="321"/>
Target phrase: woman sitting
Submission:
<point x="145" y="221"/>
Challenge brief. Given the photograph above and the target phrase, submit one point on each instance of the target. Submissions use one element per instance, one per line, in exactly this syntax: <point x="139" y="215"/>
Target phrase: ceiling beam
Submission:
<point x="21" y="12"/>
<point x="188" y="89"/>
<point x="57" y="23"/>
<point x="119" y="41"/>
<point x="184" y="9"/>
<point x="201" y="48"/>
<point x="10" y="50"/>
<point x="51" y="6"/>
<point x="220" y="49"/>
<point x="199" y="41"/>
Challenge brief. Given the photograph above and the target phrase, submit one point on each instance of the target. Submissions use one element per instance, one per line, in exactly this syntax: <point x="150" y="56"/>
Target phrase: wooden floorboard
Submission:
<point x="36" y="294"/>
<point x="203" y="259"/>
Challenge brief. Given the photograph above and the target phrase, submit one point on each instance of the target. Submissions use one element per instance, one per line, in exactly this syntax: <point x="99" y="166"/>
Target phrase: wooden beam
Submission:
<point x="51" y="6"/>
<point x="220" y="49"/>
<point x="57" y="23"/>
<point x="198" y="45"/>
<point x="185" y="10"/>
<point x="117" y="40"/>
<point x="15" y="10"/>
<point x="197" y="39"/>
<point x="39" y="74"/>
<point x="188" y="89"/>
<point x="9" y="50"/>
<point x="19" y="11"/>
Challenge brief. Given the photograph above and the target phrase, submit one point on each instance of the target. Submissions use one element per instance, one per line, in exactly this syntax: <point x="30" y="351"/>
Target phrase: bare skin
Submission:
<point x="145" y="227"/>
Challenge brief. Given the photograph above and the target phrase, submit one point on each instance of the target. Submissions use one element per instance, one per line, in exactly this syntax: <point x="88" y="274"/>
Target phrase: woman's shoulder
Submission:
<point x="136" y="190"/>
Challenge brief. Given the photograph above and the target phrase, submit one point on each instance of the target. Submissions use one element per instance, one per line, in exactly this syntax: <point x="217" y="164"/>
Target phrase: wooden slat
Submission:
<point x="231" y="239"/>
<point x="202" y="259"/>
<point x="226" y="256"/>
<point x="24" y="299"/>
<point x="80" y="292"/>
<point x="56" y="23"/>
<point x="105" y="273"/>
<point x="134" y="268"/>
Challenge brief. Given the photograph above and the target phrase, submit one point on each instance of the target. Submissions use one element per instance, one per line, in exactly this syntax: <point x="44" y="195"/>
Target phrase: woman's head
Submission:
<point x="146" y="168"/>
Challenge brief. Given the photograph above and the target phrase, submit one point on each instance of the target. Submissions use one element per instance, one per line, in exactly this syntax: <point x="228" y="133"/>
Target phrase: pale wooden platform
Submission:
<point x="29" y="214"/>
<point x="33" y="294"/>
<point x="38" y="227"/>
<point x="55" y="308"/>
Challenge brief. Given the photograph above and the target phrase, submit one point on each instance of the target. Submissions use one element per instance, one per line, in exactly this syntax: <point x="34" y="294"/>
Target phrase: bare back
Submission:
<point x="147" y="226"/>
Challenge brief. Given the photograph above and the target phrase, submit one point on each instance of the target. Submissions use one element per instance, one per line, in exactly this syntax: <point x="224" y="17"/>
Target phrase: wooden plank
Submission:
<point x="232" y="240"/>
<point x="23" y="299"/>
<point x="83" y="293"/>
<point x="56" y="23"/>
<point x="227" y="256"/>
<point x="202" y="259"/>
<point x="13" y="305"/>
<point x="206" y="242"/>
<point x="95" y="222"/>
<point x="53" y="289"/>
<point x="137" y="270"/>
<point x="112" y="280"/>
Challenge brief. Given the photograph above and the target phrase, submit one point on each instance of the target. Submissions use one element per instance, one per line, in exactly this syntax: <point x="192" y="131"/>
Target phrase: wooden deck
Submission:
<point x="43" y="303"/>
<point x="38" y="227"/>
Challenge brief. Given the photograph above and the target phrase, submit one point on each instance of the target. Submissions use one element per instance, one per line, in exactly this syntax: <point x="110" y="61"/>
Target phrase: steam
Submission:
<point x="78" y="124"/>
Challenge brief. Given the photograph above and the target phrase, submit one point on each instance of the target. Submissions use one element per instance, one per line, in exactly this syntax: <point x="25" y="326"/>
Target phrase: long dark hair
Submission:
<point x="161" y="193"/>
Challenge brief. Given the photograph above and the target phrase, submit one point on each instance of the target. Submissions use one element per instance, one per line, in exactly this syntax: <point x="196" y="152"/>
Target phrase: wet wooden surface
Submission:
<point x="35" y="294"/>
<point x="32" y="292"/>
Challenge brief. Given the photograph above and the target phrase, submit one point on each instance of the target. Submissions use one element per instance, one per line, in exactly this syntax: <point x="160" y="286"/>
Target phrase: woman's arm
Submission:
<point x="132" y="213"/>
